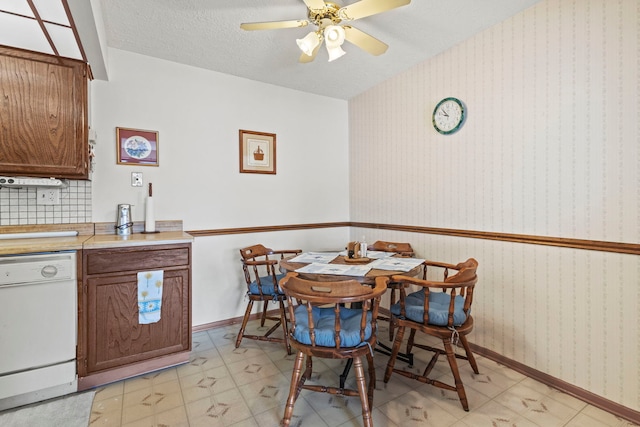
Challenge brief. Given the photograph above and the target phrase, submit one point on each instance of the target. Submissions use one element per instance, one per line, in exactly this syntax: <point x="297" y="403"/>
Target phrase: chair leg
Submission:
<point x="411" y="340"/>
<point x="265" y="305"/>
<point x="372" y="379"/>
<point x="285" y="327"/>
<point x="245" y="319"/>
<point x="294" y="388"/>
<point x="362" y="390"/>
<point x="451" y="357"/>
<point x="394" y="353"/>
<point x="470" y="357"/>
<point x="392" y="300"/>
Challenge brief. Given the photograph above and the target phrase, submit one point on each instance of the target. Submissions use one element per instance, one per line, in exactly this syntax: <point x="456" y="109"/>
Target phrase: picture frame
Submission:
<point x="257" y="152"/>
<point x="137" y="147"/>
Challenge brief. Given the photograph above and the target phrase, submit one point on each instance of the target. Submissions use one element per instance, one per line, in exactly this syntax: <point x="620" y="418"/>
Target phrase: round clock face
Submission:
<point x="448" y="115"/>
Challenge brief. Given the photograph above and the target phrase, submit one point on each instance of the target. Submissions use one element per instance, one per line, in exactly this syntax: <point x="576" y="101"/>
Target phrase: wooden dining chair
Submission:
<point x="440" y="309"/>
<point x="323" y="326"/>
<point x="401" y="249"/>
<point x="259" y="267"/>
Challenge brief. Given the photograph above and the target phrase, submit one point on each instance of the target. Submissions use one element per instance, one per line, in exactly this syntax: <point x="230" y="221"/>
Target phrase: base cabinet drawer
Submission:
<point x="135" y="259"/>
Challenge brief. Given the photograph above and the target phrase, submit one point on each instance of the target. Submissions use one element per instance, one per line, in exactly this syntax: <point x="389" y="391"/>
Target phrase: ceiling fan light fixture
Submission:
<point x="335" y="52"/>
<point x="334" y="38"/>
<point x="334" y="35"/>
<point x="308" y="44"/>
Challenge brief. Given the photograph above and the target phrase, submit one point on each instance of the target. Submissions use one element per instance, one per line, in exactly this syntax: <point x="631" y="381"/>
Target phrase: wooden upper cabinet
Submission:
<point x="43" y="115"/>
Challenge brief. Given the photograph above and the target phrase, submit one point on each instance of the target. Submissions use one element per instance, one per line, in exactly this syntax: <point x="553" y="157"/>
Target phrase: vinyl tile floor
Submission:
<point x="248" y="387"/>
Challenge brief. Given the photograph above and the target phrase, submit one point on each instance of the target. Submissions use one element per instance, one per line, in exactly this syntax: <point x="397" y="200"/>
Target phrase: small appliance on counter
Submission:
<point x="123" y="222"/>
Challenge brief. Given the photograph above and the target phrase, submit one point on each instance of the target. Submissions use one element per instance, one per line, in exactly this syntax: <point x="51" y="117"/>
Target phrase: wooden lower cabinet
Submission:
<point x="112" y="343"/>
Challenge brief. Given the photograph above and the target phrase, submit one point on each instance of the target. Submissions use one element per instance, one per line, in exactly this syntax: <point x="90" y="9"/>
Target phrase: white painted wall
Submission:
<point x="198" y="114"/>
<point x="550" y="147"/>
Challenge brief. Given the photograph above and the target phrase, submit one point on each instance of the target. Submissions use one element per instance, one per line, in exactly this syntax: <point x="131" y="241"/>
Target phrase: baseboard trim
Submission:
<point x="229" y="322"/>
<point x="577" y="392"/>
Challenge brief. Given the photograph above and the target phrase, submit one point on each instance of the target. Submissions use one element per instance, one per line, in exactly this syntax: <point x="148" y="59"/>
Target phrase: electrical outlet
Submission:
<point x="136" y="179"/>
<point x="48" y="196"/>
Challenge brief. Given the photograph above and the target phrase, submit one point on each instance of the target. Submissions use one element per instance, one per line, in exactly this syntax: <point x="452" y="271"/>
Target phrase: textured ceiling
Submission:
<point x="207" y="34"/>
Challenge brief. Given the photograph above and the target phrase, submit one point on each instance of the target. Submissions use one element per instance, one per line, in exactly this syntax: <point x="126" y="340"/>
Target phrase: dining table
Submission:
<point x="299" y="262"/>
<point x="332" y="266"/>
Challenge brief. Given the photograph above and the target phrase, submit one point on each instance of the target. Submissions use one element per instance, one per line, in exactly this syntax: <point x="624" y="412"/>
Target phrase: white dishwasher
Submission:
<point x="38" y="327"/>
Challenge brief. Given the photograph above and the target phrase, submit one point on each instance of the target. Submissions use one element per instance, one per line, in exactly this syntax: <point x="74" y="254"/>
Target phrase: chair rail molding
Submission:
<point x="592" y="245"/>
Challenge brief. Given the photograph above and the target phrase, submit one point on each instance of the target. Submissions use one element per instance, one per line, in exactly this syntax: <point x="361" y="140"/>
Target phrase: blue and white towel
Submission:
<point x="149" y="296"/>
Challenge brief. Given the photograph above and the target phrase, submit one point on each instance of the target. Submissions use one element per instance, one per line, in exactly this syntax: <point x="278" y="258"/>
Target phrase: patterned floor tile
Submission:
<point x="206" y="383"/>
<point x="252" y="369"/>
<point x="267" y="393"/>
<point x="412" y="409"/>
<point x="221" y="409"/>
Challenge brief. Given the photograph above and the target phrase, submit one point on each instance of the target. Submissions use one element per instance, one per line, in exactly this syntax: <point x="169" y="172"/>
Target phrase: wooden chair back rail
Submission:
<point x="255" y="251"/>
<point x="328" y="292"/>
<point x="403" y="249"/>
<point x="285" y="252"/>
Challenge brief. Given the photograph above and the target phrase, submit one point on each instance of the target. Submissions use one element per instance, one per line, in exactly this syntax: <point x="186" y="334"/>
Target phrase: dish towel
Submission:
<point x="149" y="296"/>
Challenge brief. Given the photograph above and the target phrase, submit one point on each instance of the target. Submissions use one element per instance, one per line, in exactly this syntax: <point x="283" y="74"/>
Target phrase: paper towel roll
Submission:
<point x="149" y="219"/>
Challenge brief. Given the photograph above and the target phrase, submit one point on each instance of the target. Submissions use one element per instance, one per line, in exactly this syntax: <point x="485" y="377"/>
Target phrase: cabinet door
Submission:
<point x="43" y="115"/>
<point x="114" y="336"/>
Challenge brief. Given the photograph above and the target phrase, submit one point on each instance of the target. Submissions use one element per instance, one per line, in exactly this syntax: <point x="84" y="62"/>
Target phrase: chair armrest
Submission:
<point x="283" y="252"/>
<point x="439" y="264"/>
<point x="261" y="262"/>
<point x="407" y="280"/>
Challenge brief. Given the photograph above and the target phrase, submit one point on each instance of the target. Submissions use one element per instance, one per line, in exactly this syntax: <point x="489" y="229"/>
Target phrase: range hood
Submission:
<point x="24" y="182"/>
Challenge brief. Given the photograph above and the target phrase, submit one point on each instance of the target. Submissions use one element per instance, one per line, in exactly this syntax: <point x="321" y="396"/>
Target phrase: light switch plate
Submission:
<point x="136" y="179"/>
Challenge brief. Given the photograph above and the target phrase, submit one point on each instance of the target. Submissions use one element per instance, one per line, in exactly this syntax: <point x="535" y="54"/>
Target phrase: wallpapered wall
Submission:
<point x="549" y="147"/>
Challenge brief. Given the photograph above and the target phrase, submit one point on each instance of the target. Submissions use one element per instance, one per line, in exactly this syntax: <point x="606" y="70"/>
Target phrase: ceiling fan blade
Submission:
<point x="274" y="25"/>
<point x="314" y="4"/>
<point x="304" y="58"/>
<point x="364" y="41"/>
<point x="365" y="8"/>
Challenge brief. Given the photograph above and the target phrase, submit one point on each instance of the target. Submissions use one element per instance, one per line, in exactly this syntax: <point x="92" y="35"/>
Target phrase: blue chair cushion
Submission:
<point x="267" y="286"/>
<point x="323" y="322"/>
<point x="438" y="308"/>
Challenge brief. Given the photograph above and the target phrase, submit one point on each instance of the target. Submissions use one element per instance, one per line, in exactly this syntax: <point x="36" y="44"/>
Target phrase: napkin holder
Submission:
<point x="353" y="250"/>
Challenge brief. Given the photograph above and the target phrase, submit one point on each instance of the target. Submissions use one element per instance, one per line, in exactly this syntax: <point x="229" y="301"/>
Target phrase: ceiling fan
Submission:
<point x="327" y="17"/>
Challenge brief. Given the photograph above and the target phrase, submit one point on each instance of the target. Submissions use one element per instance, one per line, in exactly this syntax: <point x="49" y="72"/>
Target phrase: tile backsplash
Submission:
<point x="18" y="206"/>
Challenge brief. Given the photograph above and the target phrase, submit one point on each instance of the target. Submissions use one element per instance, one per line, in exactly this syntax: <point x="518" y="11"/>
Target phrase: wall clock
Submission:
<point x="448" y="116"/>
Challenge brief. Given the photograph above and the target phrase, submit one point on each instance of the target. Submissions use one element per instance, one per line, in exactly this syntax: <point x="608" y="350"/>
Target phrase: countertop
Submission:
<point x="87" y="239"/>
<point x="46" y="244"/>
<point x="100" y="241"/>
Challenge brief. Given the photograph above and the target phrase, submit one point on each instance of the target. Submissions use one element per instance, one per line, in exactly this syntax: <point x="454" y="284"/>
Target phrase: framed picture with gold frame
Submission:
<point x="137" y="147"/>
<point x="257" y="152"/>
